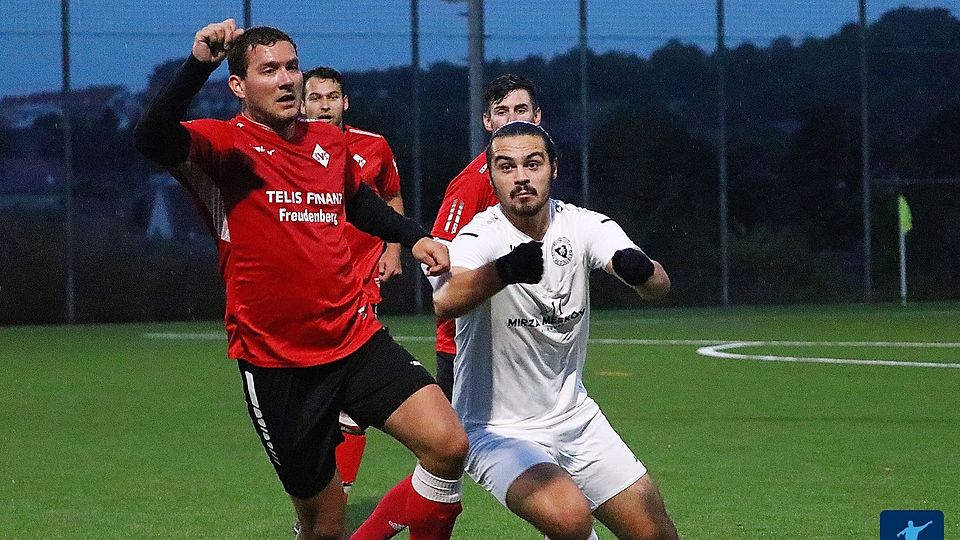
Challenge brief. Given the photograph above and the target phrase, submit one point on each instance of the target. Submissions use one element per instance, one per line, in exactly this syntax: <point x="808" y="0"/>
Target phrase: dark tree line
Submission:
<point x="794" y="139"/>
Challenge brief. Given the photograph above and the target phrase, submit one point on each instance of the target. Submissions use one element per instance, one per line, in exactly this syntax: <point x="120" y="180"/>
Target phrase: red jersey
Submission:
<point x="466" y="196"/>
<point x="378" y="169"/>
<point x="277" y="210"/>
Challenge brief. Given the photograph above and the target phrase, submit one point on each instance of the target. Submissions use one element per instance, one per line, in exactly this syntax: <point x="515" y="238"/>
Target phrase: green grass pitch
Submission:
<point x="111" y="432"/>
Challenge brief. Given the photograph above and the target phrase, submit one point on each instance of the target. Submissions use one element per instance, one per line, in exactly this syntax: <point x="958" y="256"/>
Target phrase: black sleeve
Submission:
<point x="159" y="135"/>
<point x="370" y="214"/>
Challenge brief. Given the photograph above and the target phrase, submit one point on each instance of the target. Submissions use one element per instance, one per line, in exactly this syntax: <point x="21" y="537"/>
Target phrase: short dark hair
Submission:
<point x="517" y="128"/>
<point x="324" y="72"/>
<point x="498" y="89"/>
<point x="251" y="37"/>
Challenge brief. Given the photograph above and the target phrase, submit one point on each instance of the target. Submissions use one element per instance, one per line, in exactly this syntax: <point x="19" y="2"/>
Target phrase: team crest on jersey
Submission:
<point x="359" y="159"/>
<point x="562" y="251"/>
<point x="321" y="155"/>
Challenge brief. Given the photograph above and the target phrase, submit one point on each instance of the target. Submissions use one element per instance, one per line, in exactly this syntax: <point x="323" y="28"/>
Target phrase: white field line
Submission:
<point x="713" y="348"/>
<point x="717" y="351"/>
<point x="196" y="336"/>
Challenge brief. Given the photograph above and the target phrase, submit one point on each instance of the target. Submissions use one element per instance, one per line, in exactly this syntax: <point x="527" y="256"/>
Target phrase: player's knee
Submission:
<point x="445" y="458"/>
<point x="566" y="520"/>
<point x="322" y="530"/>
<point x="664" y="531"/>
<point x="559" y="525"/>
<point x="452" y="449"/>
<point x="659" y="529"/>
<point x="321" y="516"/>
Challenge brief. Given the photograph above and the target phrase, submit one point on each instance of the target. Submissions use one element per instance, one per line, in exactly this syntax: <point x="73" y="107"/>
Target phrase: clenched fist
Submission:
<point x="213" y="41"/>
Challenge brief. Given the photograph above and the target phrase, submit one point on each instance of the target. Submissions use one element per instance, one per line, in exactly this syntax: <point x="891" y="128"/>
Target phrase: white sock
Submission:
<point x="434" y="488"/>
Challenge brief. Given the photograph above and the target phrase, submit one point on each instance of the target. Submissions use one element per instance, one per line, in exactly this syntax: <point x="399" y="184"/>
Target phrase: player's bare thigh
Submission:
<point x="427" y="425"/>
<point x="638" y="513"/>
<point x="545" y="496"/>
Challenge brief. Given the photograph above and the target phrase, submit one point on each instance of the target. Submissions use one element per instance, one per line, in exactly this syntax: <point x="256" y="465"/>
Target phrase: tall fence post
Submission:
<point x="722" y="155"/>
<point x="584" y="120"/>
<point x="417" y="209"/>
<point x="865" y="157"/>
<point x="475" y="15"/>
<point x="67" y="131"/>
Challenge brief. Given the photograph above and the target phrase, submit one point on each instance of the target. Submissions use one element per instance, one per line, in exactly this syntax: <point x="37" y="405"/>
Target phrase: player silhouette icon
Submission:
<point x="910" y="532"/>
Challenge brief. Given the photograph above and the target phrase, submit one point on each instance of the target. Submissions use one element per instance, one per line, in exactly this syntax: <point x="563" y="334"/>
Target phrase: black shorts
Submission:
<point x="296" y="410"/>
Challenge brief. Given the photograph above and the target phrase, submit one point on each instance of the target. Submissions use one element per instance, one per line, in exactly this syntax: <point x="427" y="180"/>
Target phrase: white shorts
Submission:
<point x="585" y="445"/>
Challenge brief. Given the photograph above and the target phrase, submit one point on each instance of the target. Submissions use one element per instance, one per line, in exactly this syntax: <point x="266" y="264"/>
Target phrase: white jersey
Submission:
<point x="520" y="354"/>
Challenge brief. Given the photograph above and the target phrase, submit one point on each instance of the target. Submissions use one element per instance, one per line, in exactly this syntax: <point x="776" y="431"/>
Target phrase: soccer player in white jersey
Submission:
<point x="519" y="289"/>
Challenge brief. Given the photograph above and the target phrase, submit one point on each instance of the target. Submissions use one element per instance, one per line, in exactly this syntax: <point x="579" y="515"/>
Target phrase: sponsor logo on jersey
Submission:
<point x="549" y="316"/>
<point x="359" y="159"/>
<point x="262" y="149"/>
<point x="562" y="251"/>
<point x="545" y="320"/>
<point x="320" y="155"/>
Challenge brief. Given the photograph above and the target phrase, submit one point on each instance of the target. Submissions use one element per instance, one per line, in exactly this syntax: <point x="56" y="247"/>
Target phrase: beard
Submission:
<point x="530" y="207"/>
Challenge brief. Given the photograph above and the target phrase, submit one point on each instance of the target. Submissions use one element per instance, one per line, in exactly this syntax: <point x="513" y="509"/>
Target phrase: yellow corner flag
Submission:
<point x="906" y="219"/>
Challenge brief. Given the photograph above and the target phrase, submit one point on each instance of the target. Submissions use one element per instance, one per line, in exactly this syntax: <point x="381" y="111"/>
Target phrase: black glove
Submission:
<point x="522" y="265"/>
<point x="633" y="266"/>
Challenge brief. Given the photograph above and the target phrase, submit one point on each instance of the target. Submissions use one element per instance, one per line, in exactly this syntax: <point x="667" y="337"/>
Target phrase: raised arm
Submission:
<point x="159" y="135"/>
<point x="644" y="275"/>
<point x="467" y="289"/>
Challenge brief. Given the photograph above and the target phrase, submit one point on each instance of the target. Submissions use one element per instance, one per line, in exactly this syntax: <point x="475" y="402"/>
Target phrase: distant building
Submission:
<point x="20" y="112"/>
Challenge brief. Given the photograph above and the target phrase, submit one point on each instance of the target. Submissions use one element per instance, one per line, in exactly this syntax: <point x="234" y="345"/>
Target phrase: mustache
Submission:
<point x="521" y="190"/>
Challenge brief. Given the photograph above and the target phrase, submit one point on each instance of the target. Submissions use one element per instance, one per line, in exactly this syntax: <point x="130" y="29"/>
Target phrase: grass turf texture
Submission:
<point x="111" y="434"/>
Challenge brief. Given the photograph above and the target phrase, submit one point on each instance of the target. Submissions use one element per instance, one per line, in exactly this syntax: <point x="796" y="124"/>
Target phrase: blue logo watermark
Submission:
<point x="911" y="525"/>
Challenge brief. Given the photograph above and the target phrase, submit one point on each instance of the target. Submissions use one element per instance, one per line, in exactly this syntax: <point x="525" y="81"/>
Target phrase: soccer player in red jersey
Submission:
<point x="276" y="192"/>
<point x="324" y="99"/>
<point x="508" y="98"/>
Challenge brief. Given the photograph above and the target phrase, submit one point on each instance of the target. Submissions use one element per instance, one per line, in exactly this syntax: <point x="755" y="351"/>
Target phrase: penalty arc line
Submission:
<point x="711" y="348"/>
<point x="718" y="351"/>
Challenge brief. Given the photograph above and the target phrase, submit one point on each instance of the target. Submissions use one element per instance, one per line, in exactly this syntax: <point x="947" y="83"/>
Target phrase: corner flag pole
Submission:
<point x="906" y="223"/>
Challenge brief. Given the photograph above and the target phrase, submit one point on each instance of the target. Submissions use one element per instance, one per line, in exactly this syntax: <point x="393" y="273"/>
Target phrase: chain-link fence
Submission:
<point x="726" y="136"/>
